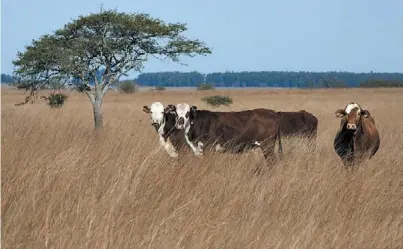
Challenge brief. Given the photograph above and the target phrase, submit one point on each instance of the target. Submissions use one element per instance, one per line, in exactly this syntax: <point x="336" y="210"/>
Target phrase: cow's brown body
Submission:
<point x="236" y="131"/>
<point x="301" y="123"/>
<point x="357" y="138"/>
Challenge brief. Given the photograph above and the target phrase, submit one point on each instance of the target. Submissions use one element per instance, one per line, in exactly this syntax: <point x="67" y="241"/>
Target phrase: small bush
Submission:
<point x="217" y="100"/>
<point x="55" y="100"/>
<point x="205" y="86"/>
<point x="127" y="86"/>
<point x="160" y="88"/>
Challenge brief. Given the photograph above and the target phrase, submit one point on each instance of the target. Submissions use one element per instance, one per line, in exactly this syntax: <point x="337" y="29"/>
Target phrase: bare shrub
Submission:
<point x="217" y="100"/>
<point x="205" y="86"/>
<point x="55" y="100"/>
<point x="127" y="86"/>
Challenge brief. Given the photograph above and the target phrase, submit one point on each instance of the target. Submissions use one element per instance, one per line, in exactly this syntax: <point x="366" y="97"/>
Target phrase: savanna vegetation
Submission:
<point x="68" y="185"/>
<point x="65" y="187"/>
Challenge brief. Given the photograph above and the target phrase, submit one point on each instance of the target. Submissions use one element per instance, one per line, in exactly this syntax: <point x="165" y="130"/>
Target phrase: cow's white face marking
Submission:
<point x="352" y="122"/>
<point x="351" y="106"/>
<point x="157" y="113"/>
<point x="183" y="112"/>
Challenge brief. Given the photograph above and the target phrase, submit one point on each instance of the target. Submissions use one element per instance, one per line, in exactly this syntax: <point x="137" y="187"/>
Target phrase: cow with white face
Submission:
<point x="357" y="138"/>
<point x="163" y="120"/>
<point x="183" y="112"/>
<point x="156" y="111"/>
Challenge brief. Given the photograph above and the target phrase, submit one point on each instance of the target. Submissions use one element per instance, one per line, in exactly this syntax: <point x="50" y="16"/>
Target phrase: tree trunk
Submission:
<point x="98" y="119"/>
<point x="97" y="107"/>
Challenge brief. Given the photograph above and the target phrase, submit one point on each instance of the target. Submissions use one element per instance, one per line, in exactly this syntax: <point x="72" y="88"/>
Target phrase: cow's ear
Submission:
<point x="192" y="114"/>
<point x="365" y="113"/>
<point x="340" y="113"/>
<point x="146" y="109"/>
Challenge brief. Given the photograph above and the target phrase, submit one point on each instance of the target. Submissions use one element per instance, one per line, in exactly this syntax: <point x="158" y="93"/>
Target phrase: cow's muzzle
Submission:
<point x="352" y="127"/>
<point x="156" y="125"/>
<point x="180" y="123"/>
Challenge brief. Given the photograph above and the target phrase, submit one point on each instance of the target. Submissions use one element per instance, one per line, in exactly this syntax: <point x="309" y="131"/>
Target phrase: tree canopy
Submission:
<point x="109" y="42"/>
<point x="117" y="42"/>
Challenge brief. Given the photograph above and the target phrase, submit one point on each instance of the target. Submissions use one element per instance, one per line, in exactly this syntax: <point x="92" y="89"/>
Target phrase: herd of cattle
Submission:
<point x="235" y="132"/>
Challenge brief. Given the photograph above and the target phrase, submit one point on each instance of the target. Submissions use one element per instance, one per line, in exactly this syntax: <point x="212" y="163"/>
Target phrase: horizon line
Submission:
<point x="260" y="71"/>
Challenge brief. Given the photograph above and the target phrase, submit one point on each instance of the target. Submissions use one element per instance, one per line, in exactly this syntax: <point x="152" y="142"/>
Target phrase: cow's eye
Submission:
<point x="187" y="115"/>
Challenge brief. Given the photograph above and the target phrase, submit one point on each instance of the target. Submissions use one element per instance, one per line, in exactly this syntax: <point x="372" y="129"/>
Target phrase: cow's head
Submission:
<point x="185" y="115"/>
<point x="156" y="111"/>
<point x="160" y="115"/>
<point x="351" y="116"/>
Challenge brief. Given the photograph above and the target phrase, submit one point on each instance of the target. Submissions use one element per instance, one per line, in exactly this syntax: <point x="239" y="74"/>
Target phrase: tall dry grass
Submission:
<point x="65" y="187"/>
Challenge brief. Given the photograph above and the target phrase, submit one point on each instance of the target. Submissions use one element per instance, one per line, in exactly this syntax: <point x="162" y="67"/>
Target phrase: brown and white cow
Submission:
<point x="163" y="120"/>
<point x="357" y="138"/>
<point x="301" y="123"/>
<point x="232" y="132"/>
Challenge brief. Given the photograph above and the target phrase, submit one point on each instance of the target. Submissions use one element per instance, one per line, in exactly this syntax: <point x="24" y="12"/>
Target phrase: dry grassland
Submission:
<point x="64" y="187"/>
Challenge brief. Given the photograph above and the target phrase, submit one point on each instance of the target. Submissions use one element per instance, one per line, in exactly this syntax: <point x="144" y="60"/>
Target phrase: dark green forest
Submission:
<point x="272" y="79"/>
<point x="263" y="79"/>
<point x="5" y="78"/>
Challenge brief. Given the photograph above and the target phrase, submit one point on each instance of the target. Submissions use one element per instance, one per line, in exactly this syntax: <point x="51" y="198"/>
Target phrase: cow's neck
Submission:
<point x="200" y="127"/>
<point x="169" y="131"/>
<point x="161" y="128"/>
<point x="190" y="130"/>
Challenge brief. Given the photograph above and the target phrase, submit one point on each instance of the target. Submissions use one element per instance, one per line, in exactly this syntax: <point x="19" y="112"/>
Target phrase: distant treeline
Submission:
<point x="5" y="78"/>
<point x="261" y="79"/>
<point x="272" y="79"/>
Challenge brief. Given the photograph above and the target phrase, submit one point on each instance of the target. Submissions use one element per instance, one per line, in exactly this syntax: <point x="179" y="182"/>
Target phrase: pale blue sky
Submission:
<point x="253" y="35"/>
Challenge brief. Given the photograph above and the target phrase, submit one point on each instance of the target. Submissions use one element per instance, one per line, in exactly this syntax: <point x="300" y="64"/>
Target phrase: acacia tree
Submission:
<point x="110" y="42"/>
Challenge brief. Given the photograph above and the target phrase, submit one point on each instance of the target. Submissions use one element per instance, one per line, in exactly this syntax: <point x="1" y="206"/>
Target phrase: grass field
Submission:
<point x="65" y="187"/>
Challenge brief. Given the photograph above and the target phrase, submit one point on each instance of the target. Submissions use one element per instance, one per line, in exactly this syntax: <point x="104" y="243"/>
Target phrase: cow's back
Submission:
<point x="249" y="125"/>
<point x="298" y="123"/>
<point x="291" y="122"/>
<point x="311" y="124"/>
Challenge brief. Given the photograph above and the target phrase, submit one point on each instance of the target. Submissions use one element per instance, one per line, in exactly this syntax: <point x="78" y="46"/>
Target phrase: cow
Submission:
<point x="163" y="120"/>
<point x="301" y="124"/>
<point x="357" y="138"/>
<point x="232" y="132"/>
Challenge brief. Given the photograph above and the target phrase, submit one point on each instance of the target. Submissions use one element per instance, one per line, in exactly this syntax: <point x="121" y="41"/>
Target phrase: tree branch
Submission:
<point x="91" y="96"/>
<point x="105" y="89"/>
